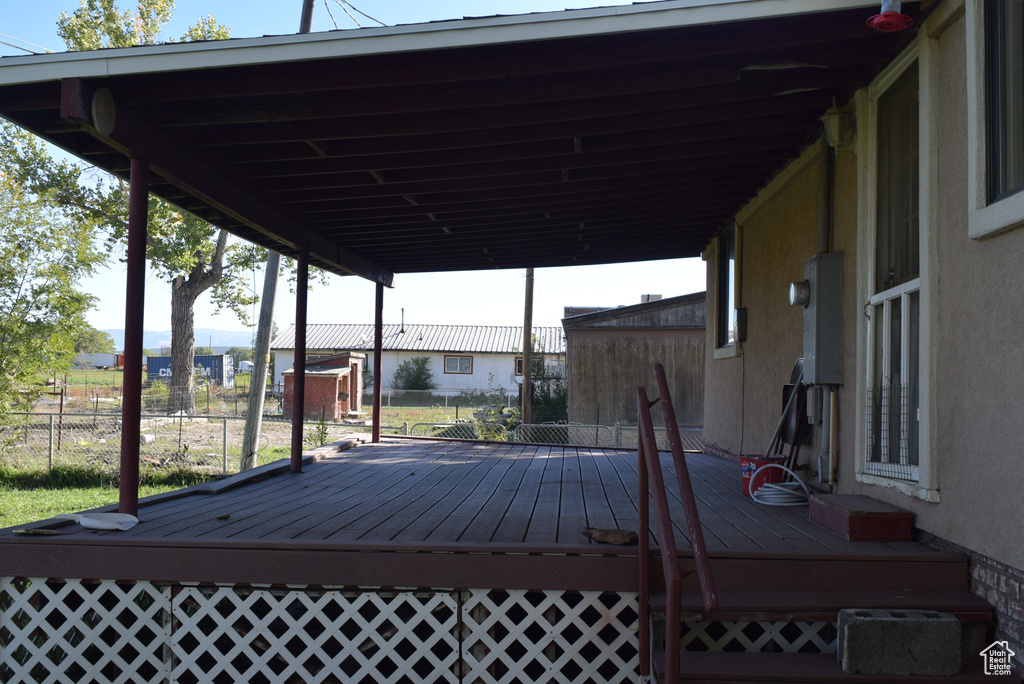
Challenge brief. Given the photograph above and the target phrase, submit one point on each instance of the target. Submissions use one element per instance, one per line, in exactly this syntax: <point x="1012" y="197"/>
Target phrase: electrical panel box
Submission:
<point x="822" y="319"/>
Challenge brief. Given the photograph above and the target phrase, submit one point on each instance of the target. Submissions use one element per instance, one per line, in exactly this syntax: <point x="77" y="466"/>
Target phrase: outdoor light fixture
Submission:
<point x="800" y="293"/>
<point x="890" y="20"/>
<point x="837" y="123"/>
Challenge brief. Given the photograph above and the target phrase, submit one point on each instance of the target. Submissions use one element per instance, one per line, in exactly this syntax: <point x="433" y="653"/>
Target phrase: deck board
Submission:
<point x="432" y="493"/>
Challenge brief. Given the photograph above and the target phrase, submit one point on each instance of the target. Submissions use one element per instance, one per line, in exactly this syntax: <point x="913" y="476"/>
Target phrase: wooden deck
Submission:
<point x="419" y="503"/>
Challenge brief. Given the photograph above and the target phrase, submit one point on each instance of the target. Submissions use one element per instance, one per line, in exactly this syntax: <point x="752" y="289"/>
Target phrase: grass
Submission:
<point x="30" y="495"/>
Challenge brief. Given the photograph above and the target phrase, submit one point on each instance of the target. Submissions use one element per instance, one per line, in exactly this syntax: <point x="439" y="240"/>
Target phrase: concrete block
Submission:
<point x="899" y="642"/>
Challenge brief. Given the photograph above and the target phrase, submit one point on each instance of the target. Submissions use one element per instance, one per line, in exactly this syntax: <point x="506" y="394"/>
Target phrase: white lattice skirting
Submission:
<point x="107" y="631"/>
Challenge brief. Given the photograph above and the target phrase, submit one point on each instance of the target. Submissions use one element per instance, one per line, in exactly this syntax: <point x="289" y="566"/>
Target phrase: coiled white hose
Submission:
<point x="782" y="493"/>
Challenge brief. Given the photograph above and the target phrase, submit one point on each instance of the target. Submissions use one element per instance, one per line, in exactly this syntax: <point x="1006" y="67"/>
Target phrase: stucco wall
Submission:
<point x="743" y="395"/>
<point x="975" y="325"/>
<point x="607" y="366"/>
<point x="977" y="344"/>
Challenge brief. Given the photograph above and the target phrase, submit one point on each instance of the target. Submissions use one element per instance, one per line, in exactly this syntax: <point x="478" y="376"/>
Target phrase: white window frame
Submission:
<point x="923" y="51"/>
<point x="731" y="349"/>
<point x="983" y="219"/>
<point x="458" y="364"/>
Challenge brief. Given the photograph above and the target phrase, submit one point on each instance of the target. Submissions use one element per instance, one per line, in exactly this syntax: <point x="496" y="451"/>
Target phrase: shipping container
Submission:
<point x="217" y="369"/>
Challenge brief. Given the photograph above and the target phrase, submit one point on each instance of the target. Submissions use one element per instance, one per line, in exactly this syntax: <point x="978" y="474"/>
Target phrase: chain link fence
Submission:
<point x="44" y="441"/>
<point x="81" y="424"/>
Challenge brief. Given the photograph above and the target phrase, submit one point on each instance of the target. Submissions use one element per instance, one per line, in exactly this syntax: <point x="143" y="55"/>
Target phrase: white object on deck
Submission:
<point x="101" y="521"/>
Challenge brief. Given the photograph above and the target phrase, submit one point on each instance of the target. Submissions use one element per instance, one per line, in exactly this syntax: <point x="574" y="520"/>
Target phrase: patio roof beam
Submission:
<point x="330" y="187"/>
<point x="133" y="137"/>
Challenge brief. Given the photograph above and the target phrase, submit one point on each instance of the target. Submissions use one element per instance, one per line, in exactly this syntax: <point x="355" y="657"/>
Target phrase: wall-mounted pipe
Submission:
<point x="825" y="199"/>
<point x="826" y="457"/>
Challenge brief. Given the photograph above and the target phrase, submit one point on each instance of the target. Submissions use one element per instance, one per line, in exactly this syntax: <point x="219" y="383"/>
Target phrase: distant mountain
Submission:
<point x="220" y="340"/>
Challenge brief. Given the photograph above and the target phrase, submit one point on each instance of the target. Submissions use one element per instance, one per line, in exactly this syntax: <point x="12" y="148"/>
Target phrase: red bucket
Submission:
<point x="749" y="464"/>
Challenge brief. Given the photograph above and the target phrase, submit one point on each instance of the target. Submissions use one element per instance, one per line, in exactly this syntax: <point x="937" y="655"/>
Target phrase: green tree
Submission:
<point x="42" y="309"/>
<point x="240" y="354"/>
<point x="194" y="256"/>
<point x="89" y="340"/>
<point x="414" y="374"/>
<point x="205" y="351"/>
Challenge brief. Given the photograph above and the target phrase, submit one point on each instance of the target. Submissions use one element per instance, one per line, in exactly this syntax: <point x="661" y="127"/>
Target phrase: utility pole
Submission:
<point x="261" y="363"/>
<point x="258" y="384"/>
<point x="528" y="349"/>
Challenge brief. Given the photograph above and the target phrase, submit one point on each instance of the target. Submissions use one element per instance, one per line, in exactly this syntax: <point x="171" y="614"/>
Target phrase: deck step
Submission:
<point x="737" y="605"/>
<point x="819" y="668"/>
<point x="861" y="518"/>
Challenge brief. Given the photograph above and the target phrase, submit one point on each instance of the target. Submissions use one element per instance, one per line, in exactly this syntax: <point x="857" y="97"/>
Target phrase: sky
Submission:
<point x="478" y="297"/>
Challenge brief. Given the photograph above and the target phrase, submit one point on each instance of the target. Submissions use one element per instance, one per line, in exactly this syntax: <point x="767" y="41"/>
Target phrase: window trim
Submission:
<point x="731" y="349"/>
<point x="924" y="52"/>
<point x="984" y="219"/>
<point x="517" y="366"/>
<point x="458" y="356"/>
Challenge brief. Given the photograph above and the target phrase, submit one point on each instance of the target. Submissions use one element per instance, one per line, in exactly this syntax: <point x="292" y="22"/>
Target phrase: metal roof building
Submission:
<point x="480" y="339"/>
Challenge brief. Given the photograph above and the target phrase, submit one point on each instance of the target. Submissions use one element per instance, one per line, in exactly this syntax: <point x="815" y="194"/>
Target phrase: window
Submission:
<point x="995" y="116"/>
<point x="458" y="364"/>
<point x="1004" y="97"/>
<point x="519" y="365"/>
<point x="894" y="305"/>
<point x="726" y="302"/>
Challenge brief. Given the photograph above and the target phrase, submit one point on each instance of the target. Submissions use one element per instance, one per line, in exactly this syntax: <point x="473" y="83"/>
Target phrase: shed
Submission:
<point x="611" y="352"/>
<point x="334" y="388"/>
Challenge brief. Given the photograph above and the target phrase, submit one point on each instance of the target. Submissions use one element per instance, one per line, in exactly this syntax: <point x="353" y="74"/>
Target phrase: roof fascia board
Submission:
<point x="404" y="38"/>
<point x="583" y="321"/>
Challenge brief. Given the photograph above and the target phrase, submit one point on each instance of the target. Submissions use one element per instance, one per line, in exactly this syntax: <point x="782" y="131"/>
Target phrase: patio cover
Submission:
<point x="557" y="139"/>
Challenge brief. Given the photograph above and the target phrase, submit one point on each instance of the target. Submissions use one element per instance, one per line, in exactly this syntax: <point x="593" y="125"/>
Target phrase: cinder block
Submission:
<point x="899" y="642"/>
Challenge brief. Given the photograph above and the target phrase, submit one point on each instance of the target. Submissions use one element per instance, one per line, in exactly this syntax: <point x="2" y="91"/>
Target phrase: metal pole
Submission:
<point x="299" y="381"/>
<point x="135" y="290"/>
<point x="378" y="365"/>
<point x="258" y="379"/>
<point x="528" y="349"/>
<point x="306" y="21"/>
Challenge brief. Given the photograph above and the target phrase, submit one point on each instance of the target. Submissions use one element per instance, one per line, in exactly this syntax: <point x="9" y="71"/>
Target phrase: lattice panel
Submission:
<point x="245" y="634"/>
<point x="549" y="636"/>
<point x="83" y="631"/>
<point x="748" y="637"/>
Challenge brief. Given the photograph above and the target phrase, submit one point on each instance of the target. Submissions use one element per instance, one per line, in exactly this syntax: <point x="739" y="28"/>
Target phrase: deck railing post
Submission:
<point x="643" y="552"/>
<point x="700" y="551"/>
<point x="666" y="538"/>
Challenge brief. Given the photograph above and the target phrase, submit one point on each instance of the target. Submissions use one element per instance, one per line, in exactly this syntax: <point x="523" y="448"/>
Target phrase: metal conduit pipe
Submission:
<point x="825" y="199"/>
<point x="825" y="457"/>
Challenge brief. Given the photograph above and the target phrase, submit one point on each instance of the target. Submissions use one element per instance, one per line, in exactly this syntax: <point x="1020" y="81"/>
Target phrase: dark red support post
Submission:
<point x="644" y="554"/>
<point x="299" y="380"/>
<point x="135" y="297"/>
<point x="378" y="365"/>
